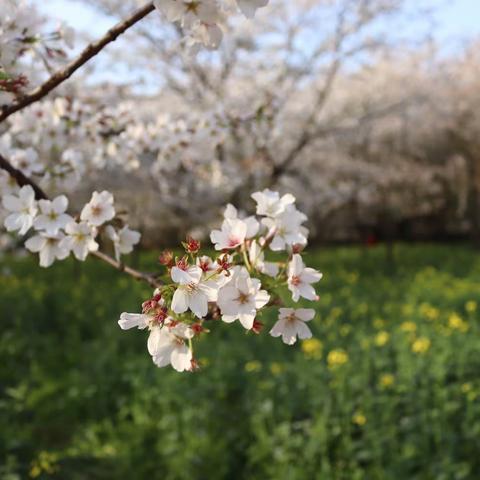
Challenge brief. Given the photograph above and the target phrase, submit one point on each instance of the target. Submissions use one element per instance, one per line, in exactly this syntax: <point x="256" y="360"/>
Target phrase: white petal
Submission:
<point x="247" y="320"/>
<point x="47" y="256"/>
<point x="198" y="304"/>
<point x="131" y="320"/>
<point x="181" y="358"/>
<point x="261" y="299"/>
<point x="278" y="328"/>
<point x="12" y="203"/>
<point x="305" y="314"/>
<point x="180" y="301"/>
<point x="307" y="291"/>
<point x="303" y="331"/>
<point x="35" y="244"/>
<point x="60" y="204"/>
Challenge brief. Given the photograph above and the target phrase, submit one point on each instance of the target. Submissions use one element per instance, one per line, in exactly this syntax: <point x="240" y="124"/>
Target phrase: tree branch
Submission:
<point x="63" y="74"/>
<point x="23" y="180"/>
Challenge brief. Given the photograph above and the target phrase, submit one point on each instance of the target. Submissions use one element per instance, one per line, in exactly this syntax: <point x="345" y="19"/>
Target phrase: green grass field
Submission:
<point x="389" y="389"/>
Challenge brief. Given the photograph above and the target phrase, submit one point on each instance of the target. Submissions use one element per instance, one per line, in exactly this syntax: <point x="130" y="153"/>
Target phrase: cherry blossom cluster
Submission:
<point x="58" y="141"/>
<point x="203" y="21"/>
<point x="57" y="233"/>
<point x="238" y="285"/>
<point x="21" y="34"/>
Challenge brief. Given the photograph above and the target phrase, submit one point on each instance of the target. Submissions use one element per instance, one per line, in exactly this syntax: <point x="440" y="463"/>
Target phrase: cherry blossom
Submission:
<point x="270" y="203"/>
<point x="23" y="208"/>
<point x="99" y="210"/>
<point x="132" y="320"/>
<point x="49" y="247"/>
<point x="194" y="292"/>
<point x="241" y="298"/>
<point x="52" y="216"/>
<point x="291" y="323"/>
<point x="232" y="234"/>
<point x="26" y="160"/>
<point x="300" y="279"/>
<point x="231" y="213"/>
<point x="123" y="240"/>
<point x="80" y="239"/>
<point x="7" y="184"/>
<point x="286" y="228"/>
<point x="167" y="346"/>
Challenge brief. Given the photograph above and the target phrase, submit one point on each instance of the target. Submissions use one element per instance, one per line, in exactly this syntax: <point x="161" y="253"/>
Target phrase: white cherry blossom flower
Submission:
<point x="99" y="210"/>
<point x="300" y="279"/>
<point x="270" y="204"/>
<point x="23" y="208"/>
<point x="189" y="12"/>
<point x="286" y="229"/>
<point x="166" y="343"/>
<point x="132" y="320"/>
<point x="257" y="260"/>
<point x="241" y="298"/>
<point x="184" y="274"/>
<point x="231" y="213"/>
<point x="123" y="240"/>
<point x="8" y="185"/>
<point x="291" y="323"/>
<point x="194" y="292"/>
<point x="80" y="239"/>
<point x="232" y="234"/>
<point x="48" y="246"/>
<point x="26" y="161"/>
<point x="52" y="216"/>
<point x="167" y="346"/>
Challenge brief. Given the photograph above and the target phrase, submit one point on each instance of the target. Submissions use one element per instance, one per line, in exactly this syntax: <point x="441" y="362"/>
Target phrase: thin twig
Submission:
<point x="63" y="74"/>
<point x="23" y="180"/>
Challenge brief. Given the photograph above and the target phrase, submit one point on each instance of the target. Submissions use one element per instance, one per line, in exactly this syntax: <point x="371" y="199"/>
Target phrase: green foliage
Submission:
<point x="389" y="389"/>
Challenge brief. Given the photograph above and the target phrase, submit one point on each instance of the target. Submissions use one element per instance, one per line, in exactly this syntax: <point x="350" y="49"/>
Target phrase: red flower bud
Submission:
<point x="166" y="258"/>
<point x="191" y="245"/>
<point x="257" y="327"/>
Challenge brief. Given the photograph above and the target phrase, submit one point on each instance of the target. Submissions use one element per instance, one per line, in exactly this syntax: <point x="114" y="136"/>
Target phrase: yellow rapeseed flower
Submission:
<point x="428" y="311"/>
<point x="386" y="380"/>
<point x="336" y="358"/>
<point x="382" y="338"/>
<point x="359" y="419"/>
<point x="312" y="348"/>
<point x="471" y="306"/>
<point x="46" y="462"/>
<point x="421" y="345"/>
<point x="455" y="322"/>
<point x="409" y="327"/>
<point x="253" y="366"/>
<point x="276" y="368"/>
<point x="379" y="323"/>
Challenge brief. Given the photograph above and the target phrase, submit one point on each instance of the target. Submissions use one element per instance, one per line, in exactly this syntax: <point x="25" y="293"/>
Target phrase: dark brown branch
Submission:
<point x="144" y="277"/>
<point x="23" y="180"/>
<point x="63" y="74"/>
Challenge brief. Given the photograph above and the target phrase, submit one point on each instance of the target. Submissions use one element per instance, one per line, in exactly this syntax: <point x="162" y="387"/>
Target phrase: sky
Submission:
<point x="455" y="21"/>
